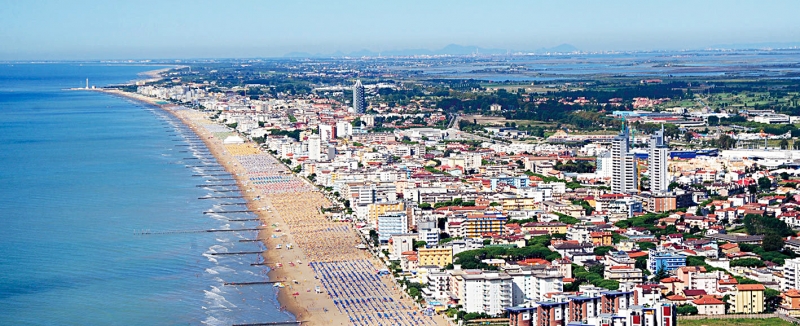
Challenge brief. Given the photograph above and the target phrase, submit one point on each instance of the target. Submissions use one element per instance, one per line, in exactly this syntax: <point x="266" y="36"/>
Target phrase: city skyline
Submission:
<point x="87" y="30"/>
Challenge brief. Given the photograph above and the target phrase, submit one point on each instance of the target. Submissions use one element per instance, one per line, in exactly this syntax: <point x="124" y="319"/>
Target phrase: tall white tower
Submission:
<point x="359" y="104"/>
<point x="657" y="162"/>
<point x="87" y="83"/>
<point x="623" y="174"/>
<point x="314" y="147"/>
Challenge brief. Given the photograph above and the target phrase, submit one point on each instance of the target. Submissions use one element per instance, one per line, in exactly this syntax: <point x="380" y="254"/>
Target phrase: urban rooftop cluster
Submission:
<point x="498" y="220"/>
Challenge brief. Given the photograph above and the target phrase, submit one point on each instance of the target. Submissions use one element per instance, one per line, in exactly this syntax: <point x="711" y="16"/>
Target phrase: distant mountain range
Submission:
<point x="452" y="49"/>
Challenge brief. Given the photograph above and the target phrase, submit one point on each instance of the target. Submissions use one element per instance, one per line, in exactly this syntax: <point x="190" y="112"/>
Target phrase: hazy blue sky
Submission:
<point x="78" y="29"/>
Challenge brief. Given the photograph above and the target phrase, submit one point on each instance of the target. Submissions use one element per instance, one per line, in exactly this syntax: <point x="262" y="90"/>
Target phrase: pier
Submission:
<point x="148" y="232"/>
<point x="272" y="323"/>
<point x="217" y="185"/>
<point x="235" y="253"/>
<point x="226" y="212"/>
<point x="220" y="197"/>
<point x="245" y="220"/>
<point x="251" y="283"/>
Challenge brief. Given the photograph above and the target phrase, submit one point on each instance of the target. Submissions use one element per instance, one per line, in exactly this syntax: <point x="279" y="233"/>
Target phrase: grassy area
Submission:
<point x="735" y="322"/>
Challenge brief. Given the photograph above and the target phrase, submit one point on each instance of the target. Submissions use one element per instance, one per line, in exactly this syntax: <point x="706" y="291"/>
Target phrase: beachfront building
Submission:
<point x="390" y="224"/>
<point x="438" y="284"/>
<point x="377" y="209"/>
<point x="435" y="256"/>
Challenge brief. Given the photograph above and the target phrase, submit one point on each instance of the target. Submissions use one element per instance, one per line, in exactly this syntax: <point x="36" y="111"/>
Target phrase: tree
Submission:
<point x="413" y="292"/>
<point x="758" y="224"/>
<point x="747" y="262"/>
<point x="687" y="137"/>
<point x="725" y="142"/>
<point x="772" y="242"/>
<point x="784" y="144"/>
<point x="420" y="244"/>
<point x="764" y="183"/>
<point x="713" y="120"/>
<point x="660" y="274"/>
<point x="686" y="310"/>
<point x="373" y="235"/>
<point x="598" y="269"/>
<point x="772" y="299"/>
<point x="784" y="175"/>
<point x="602" y="250"/>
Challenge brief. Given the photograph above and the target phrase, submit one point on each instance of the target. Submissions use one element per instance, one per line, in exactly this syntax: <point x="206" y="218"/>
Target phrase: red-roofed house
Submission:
<point x="709" y="305"/>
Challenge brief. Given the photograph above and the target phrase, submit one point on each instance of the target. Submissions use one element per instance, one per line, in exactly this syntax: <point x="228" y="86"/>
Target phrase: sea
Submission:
<point x="101" y="211"/>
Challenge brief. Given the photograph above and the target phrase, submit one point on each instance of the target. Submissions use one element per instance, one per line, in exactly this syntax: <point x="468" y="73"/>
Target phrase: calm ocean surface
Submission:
<point x="79" y="173"/>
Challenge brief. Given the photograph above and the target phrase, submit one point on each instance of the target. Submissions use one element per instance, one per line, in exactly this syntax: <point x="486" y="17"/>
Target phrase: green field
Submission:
<point x="735" y="322"/>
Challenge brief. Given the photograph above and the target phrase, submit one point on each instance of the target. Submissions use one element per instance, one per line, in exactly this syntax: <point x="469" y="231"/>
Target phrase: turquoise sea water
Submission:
<point x="80" y="173"/>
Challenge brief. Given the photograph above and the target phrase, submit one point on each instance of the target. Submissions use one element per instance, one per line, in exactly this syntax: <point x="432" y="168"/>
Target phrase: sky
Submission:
<point x="144" y="29"/>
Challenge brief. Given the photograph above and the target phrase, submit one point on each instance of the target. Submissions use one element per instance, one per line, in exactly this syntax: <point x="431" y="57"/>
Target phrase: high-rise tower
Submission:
<point x="359" y="104"/>
<point x="657" y="162"/>
<point x="314" y="148"/>
<point x="623" y="174"/>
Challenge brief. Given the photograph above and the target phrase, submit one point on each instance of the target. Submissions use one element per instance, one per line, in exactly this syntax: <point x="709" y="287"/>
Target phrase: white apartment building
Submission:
<point x="314" y="147"/>
<point x="624" y="165"/>
<point x="428" y="232"/>
<point x="438" y="284"/>
<point x="487" y="292"/>
<point x="343" y="129"/>
<point x="390" y="224"/>
<point x="326" y="132"/>
<point x="791" y="270"/>
<point x="657" y="163"/>
<point x="533" y="285"/>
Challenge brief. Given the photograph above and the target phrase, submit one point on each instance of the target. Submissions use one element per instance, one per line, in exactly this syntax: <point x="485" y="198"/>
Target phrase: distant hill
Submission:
<point x="452" y="49"/>
<point x="563" y="48"/>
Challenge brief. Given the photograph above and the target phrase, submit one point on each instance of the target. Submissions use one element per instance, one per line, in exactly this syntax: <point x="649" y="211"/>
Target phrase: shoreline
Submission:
<point x="287" y="302"/>
<point x="293" y="217"/>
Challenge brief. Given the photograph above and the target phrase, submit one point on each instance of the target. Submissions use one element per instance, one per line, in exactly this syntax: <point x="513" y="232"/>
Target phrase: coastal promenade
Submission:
<point x="326" y="279"/>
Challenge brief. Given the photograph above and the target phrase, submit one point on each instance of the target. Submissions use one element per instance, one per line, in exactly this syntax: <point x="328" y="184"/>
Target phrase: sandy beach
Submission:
<point x="324" y="254"/>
